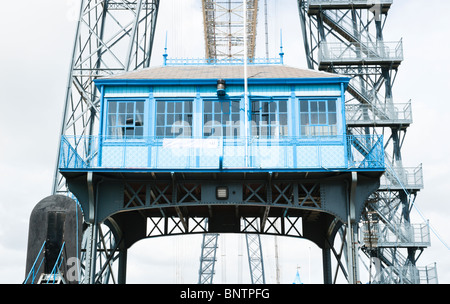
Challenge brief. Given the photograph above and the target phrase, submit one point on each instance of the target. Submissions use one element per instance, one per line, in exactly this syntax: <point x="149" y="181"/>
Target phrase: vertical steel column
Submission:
<point x="255" y="258"/>
<point x="208" y="258"/>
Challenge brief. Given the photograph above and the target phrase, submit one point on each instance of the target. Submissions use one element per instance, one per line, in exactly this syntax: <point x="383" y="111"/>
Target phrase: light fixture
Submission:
<point x="220" y="87"/>
<point x="222" y="192"/>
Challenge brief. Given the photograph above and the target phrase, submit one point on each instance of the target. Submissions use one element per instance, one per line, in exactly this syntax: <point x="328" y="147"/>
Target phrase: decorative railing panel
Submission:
<point x="351" y="152"/>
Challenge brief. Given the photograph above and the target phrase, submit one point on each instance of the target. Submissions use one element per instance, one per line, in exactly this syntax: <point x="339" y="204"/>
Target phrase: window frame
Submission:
<point x="165" y="101"/>
<point x="107" y="116"/>
<point x="327" y="113"/>
<point x="269" y="134"/>
<point x="213" y="113"/>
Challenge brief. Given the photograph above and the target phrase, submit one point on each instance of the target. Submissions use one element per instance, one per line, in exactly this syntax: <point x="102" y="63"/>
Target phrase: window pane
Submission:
<point x="283" y="106"/>
<point x="130" y="107"/>
<point x="112" y="107"/>
<point x="178" y="107"/>
<point x="225" y="118"/>
<point x="322" y="106"/>
<point x="188" y="119"/>
<point x="160" y="119"/>
<point x="139" y="131"/>
<point x="140" y="107"/>
<point x="112" y="120"/>
<point x="332" y="119"/>
<point x="207" y="107"/>
<point x="179" y="117"/>
<point x="130" y="119"/>
<point x="322" y="118"/>
<point x="273" y="107"/>
<point x="207" y="118"/>
<point x="304" y="106"/>
<point x="331" y="106"/>
<point x="283" y="119"/>
<point x="122" y="107"/>
<point x="304" y="119"/>
<point x="217" y="107"/>
<point x="255" y="106"/>
<point x="160" y="107"/>
<point x="121" y="120"/>
<point x="170" y="107"/>
<point x="314" y="107"/>
<point x="188" y="107"/>
<point x="235" y="106"/>
<point x="159" y="131"/>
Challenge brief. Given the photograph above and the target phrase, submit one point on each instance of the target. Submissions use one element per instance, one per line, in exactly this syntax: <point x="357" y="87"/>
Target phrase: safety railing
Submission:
<point x="57" y="273"/>
<point x="399" y="235"/>
<point x="35" y="268"/>
<point x="346" y="2"/>
<point x="220" y="61"/>
<point x="389" y="113"/>
<point x="341" y="53"/>
<point x="352" y="152"/>
<point x="406" y="178"/>
<point x="408" y="274"/>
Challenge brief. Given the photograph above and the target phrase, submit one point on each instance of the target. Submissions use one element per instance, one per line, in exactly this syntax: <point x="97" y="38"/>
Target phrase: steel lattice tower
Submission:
<point x="346" y="37"/>
<point x="111" y="37"/>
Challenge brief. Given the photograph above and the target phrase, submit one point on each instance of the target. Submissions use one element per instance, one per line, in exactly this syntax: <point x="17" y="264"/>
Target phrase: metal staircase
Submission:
<point x="346" y="37"/>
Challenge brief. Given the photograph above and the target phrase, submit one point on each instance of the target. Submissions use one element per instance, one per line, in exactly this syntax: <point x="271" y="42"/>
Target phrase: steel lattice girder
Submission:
<point x="224" y="30"/>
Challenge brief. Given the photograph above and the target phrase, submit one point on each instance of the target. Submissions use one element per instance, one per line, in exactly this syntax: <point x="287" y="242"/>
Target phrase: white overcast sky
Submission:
<point x="35" y="51"/>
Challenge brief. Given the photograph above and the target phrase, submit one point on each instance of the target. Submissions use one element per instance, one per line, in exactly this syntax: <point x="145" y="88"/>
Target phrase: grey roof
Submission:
<point x="221" y="72"/>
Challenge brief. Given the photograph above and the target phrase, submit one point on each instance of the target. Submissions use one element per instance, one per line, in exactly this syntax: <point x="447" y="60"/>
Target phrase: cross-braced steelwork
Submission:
<point x="111" y="37"/>
<point x="255" y="255"/>
<point x="224" y="28"/>
<point x="346" y="37"/>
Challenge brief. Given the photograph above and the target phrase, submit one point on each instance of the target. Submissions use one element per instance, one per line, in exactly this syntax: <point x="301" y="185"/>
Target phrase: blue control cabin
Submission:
<point x="199" y="119"/>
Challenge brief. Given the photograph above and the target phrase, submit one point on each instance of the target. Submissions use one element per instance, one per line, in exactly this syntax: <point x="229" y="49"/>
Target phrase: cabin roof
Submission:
<point x="221" y="72"/>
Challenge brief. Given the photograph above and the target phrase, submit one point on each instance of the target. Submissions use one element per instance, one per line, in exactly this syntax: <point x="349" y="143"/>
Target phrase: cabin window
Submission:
<point x="221" y="118"/>
<point x="173" y="118"/>
<point x="318" y="117"/>
<point x="269" y="118"/>
<point x="125" y="119"/>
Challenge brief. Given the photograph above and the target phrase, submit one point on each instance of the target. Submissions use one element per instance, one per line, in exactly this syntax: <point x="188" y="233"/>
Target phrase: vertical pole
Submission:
<point x="122" y="271"/>
<point x="133" y="37"/>
<point x="326" y="262"/>
<point x="244" y="3"/>
<point x="266" y="29"/>
<point x="352" y="256"/>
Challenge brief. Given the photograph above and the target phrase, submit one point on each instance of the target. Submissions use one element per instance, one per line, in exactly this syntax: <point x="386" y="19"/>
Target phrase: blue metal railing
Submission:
<point x="347" y="152"/>
<point x="39" y="261"/>
<point x="34" y="271"/>
<point x="221" y="61"/>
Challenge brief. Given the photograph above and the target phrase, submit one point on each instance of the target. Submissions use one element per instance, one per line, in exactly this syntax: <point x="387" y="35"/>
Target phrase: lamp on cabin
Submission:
<point x="220" y="87"/>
